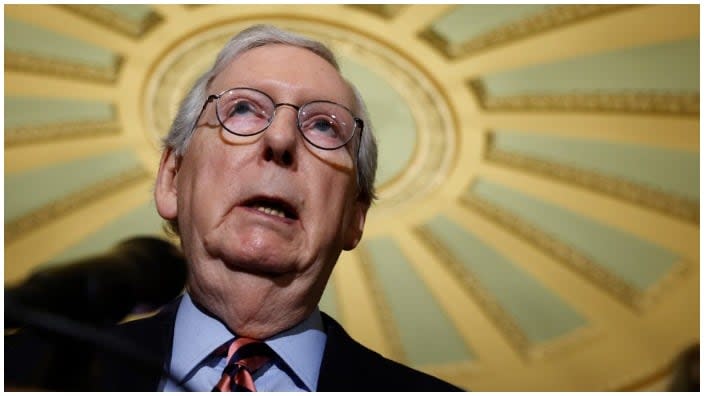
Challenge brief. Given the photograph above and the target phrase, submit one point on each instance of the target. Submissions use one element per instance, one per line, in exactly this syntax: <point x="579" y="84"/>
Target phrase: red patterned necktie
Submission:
<point x="244" y="357"/>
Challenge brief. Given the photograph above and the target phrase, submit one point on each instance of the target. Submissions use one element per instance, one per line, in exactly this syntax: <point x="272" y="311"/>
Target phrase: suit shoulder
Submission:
<point x="350" y="366"/>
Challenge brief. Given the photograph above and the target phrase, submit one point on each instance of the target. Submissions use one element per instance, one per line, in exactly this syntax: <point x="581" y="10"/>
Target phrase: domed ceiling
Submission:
<point x="538" y="227"/>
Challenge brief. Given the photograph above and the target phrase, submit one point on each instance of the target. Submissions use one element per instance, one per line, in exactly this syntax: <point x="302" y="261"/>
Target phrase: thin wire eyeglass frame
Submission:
<point x="359" y="123"/>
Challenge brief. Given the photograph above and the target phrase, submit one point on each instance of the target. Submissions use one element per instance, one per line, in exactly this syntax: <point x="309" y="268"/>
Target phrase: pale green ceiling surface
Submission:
<point x="540" y="314"/>
<point x="637" y="262"/>
<point x="671" y="67"/>
<point x="141" y="221"/>
<point x="672" y="171"/>
<point x="133" y="12"/>
<point x="394" y="126"/>
<point x="471" y="20"/>
<point x="328" y="303"/>
<point x="431" y="340"/>
<point x="32" y="189"/>
<point x="34" y="40"/>
<point x="33" y="111"/>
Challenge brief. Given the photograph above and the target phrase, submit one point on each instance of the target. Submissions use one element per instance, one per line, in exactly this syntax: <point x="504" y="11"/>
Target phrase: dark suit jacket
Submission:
<point x="38" y="360"/>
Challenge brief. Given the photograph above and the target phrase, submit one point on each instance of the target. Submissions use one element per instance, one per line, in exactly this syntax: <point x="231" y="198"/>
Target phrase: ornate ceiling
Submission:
<point x="538" y="227"/>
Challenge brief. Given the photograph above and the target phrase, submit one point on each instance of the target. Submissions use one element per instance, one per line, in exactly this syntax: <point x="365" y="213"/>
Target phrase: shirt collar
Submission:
<point x="196" y="335"/>
<point x="302" y="347"/>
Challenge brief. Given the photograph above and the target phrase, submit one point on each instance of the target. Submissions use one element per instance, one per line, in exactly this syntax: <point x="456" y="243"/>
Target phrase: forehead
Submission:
<point x="287" y="73"/>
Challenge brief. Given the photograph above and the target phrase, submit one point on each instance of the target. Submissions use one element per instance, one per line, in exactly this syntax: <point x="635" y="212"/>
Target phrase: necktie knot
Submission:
<point x="244" y="357"/>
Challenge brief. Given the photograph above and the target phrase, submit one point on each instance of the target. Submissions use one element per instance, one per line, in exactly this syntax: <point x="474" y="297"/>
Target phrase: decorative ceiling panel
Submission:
<point x="640" y="174"/>
<point x="34" y="49"/>
<point x="468" y="29"/>
<point x="131" y="19"/>
<point x="662" y="78"/>
<point x="525" y="310"/>
<point x="30" y="120"/>
<point x="539" y="208"/>
<point x="623" y="264"/>
<point x="403" y="298"/>
<point x="142" y="220"/>
<point x="651" y="166"/>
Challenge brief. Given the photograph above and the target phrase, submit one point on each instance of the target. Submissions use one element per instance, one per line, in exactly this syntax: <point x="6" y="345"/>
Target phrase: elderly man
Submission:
<point x="266" y="175"/>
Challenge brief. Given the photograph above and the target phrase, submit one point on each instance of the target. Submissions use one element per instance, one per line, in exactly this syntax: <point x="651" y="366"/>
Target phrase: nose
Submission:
<point x="281" y="137"/>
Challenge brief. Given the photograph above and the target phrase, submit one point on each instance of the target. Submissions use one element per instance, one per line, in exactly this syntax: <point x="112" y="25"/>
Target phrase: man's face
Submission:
<point x="229" y="193"/>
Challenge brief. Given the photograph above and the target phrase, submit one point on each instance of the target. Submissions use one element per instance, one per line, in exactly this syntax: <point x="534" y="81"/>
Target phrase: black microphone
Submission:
<point x="103" y="289"/>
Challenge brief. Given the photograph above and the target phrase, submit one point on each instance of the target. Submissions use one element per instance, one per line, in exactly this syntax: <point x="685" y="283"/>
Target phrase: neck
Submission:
<point x="255" y="309"/>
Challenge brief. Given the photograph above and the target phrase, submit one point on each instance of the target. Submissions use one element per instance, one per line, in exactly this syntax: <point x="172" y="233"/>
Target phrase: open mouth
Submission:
<point x="272" y="206"/>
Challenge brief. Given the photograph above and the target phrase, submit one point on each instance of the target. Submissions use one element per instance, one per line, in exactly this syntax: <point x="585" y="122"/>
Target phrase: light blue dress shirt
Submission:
<point x="299" y="352"/>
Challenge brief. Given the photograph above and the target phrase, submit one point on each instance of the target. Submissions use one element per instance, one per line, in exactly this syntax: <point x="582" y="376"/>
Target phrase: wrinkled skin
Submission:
<point x="260" y="273"/>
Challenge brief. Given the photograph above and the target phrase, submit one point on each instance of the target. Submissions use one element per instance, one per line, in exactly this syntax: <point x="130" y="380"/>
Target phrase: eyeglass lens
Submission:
<point x="247" y="112"/>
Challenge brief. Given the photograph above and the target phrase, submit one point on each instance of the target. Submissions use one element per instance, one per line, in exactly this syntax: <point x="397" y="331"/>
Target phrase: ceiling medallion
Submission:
<point x="435" y="136"/>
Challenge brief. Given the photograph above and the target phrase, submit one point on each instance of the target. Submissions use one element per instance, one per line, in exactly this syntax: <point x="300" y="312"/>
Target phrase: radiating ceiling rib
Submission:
<point x="499" y="24"/>
<point x="633" y="173"/>
<point x="132" y="20"/>
<point x="65" y="22"/>
<point x="681" y="133"/>
<point x="534" y="325"/>
<point x="659" y="229"/>
<point x="54" y="238"/>
<point x="416" y="17"/>
<point x="629" y="28"/>
<point x="17" y="228"/>
<point x="587" y="298"/>
<point x="382" y="305"/>
<point x="169" y="11"/>
<point x="613" y="325"/>
<point x="478" y="331"/>
<point x="356" y="304"/>
<point x="142" y="220"/>
<point x="30" y="84"/>
<point x="22" y="158"/>
<point x="385" y="11"/>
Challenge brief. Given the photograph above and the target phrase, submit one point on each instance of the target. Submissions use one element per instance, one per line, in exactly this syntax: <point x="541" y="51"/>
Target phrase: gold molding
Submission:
<point x="573" y="258"/>
<point x="551" y="18"/>
<point x="649" y="197"/>
<point x="502" y="319"/>
<point x="66" y="130"/>
<point x="61" y="207"/>
<point x="435" y="120"/>
<point x="683" y="104"/>
<point x="24" y="62"/>
<point x="386" y="316"/>
<point x="114" y="20"/>
<point x="385" y="11"/>
<point x="473" y="286"/>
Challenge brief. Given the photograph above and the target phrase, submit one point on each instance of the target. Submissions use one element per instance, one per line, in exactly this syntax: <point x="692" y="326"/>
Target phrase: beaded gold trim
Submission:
<point x="64" y="206"/>
<point x="114" y="20"/>
<point x="640" y="194"/>
<point x="551" y="18"/>
<point x="686" y="104"/>
<point x="66" y="130"/>
<point x="474" y="288"/>
<point x="381" y="304"/>
<point x="37" y="64"/>
<point x="577" y="261"/>
<point x="386" y="11"/>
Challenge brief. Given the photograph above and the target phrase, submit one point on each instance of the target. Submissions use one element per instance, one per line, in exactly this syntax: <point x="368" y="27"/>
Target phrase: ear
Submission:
<point x="353" y="233"/>
<point x="165" y="190"/>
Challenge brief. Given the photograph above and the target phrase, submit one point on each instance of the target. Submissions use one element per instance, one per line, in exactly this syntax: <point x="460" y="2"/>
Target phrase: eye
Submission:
<point x="242" y="107"/>
<point x="324" y="126"/>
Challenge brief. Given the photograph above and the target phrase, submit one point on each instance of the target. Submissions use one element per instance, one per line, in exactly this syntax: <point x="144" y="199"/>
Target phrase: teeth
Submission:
<point x="271" y="211"/>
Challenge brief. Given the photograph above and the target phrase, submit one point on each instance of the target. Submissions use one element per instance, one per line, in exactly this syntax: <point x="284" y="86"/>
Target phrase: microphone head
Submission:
<point x="102" y="289"/>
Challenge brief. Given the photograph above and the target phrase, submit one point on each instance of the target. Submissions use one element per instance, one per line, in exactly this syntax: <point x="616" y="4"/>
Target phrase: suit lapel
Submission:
<point x="343" y="360"/>
<point x="153" y="336"/>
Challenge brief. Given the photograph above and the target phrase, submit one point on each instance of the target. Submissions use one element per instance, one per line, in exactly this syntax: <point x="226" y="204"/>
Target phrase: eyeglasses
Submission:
<point x="248" y="111"/>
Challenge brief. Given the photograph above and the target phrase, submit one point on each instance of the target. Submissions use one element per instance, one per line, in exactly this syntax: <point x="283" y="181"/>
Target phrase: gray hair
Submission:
<point x="256" y="36"/>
